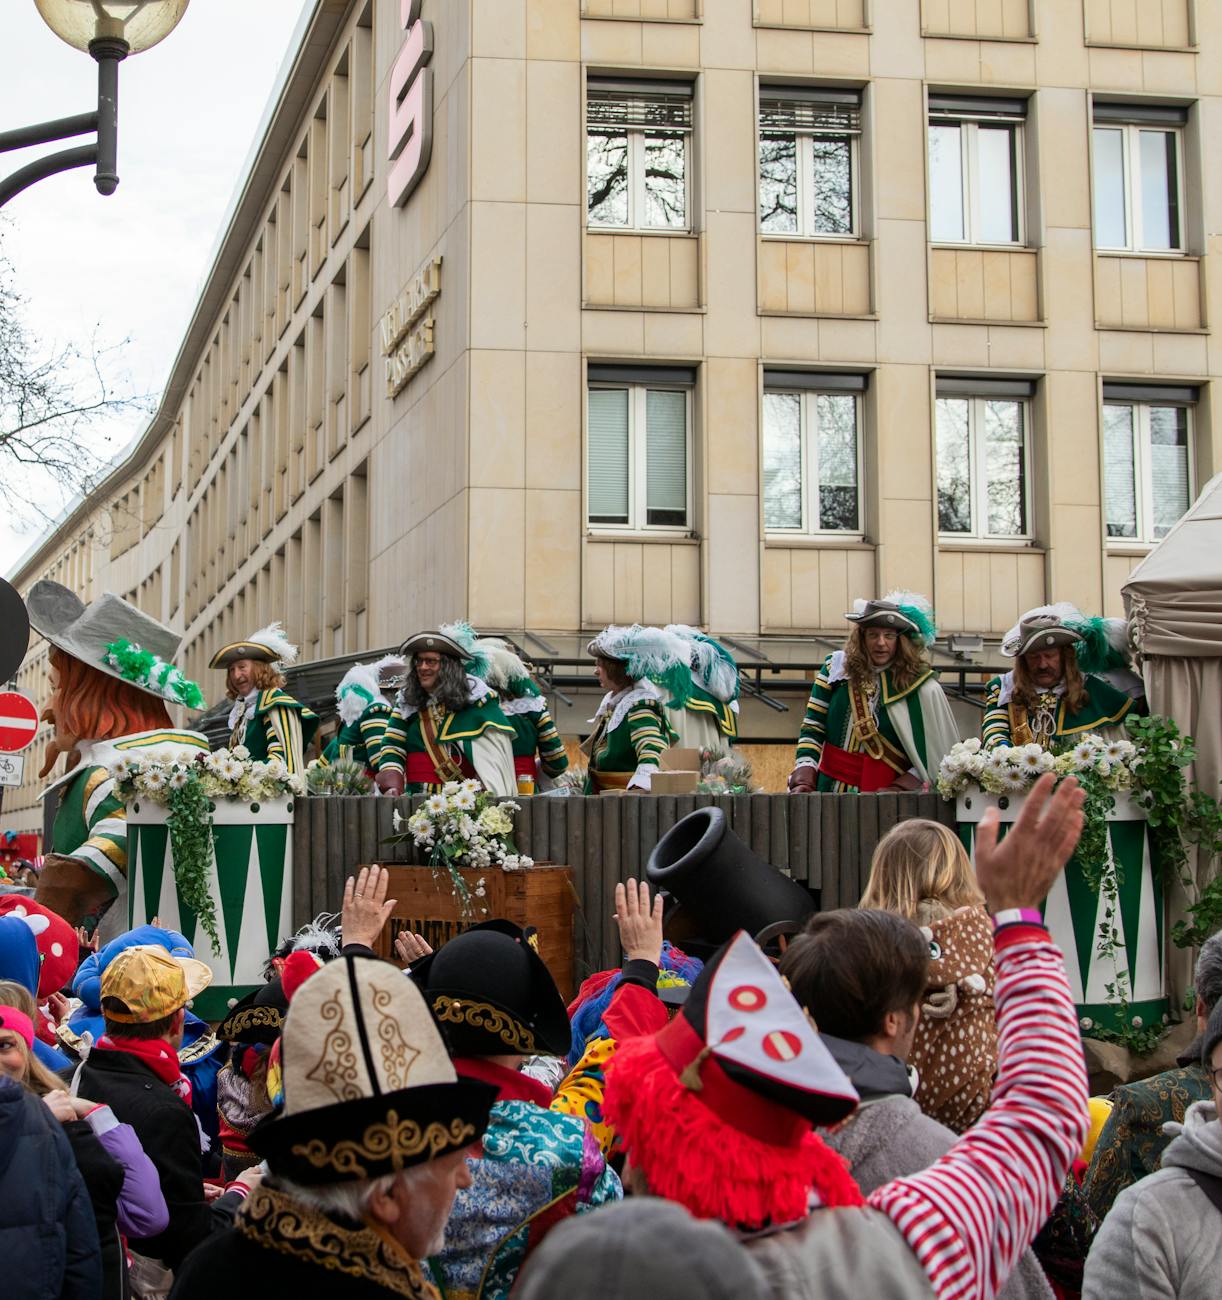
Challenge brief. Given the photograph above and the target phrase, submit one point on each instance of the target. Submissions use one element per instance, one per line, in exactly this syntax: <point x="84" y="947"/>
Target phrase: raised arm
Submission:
<point x="970" y="1216"/>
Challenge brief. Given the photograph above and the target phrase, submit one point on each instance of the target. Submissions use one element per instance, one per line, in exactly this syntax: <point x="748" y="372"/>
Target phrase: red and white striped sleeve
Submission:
<point x="970" y="1216"/>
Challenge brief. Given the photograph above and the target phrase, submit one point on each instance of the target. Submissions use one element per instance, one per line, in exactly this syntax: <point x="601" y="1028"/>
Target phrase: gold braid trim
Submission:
<point x="252" y="1018"/>
<point x="1020" y="728"/>
<point x="479" y="1015"/>
<point x="276" y="1221"/>
<point x="395" y="1141"/>
<point x="203" y="1045"/>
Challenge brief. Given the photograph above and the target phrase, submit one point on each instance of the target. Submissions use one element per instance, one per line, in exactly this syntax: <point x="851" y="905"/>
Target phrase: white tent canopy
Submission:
<point x="1174" y="602"/>
<point x="1174" y="596"/>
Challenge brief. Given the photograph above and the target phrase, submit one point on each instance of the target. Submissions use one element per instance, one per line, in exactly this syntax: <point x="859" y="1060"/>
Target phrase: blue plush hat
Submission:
<point x="18" y="953"/>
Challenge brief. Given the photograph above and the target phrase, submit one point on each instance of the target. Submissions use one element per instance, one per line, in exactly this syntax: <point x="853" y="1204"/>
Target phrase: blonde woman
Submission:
<point x="921" y="871"/>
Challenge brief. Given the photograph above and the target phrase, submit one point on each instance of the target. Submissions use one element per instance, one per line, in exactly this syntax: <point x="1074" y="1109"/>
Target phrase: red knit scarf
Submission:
<point x="157" y="1054"/>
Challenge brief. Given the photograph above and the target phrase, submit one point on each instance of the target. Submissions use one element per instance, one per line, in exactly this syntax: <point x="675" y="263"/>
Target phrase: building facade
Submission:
<point x="553" y="313"/>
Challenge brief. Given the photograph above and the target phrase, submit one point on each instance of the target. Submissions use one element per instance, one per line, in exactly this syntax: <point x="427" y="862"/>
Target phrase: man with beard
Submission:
<point x="1053" y="695"/>
<point x="447" y="725"/>
<point x="876" y="718"/>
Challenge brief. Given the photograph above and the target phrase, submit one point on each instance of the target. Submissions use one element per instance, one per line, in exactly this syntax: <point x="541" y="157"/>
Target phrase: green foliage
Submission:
<point x="190" y="825"/>
<point x="342" y="777"/>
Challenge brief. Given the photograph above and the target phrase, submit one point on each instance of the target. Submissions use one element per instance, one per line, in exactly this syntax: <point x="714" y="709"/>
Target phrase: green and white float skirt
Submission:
<point x="1076" y="913"/>
<point x="251" y="881"/>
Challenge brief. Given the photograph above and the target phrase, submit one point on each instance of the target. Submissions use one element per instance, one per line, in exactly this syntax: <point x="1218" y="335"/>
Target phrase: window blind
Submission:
<point x="626" y="105"/>
<point x="809" y="109"/>
<point x="974" y="106"/>
<point x="813" y="381"/>
<point x="1141" y="114"/>
<point x="666" y="457"/>
<point x="982" y="386"/>
<point x="1162" y="394"/>
<point x="608" y="455"/>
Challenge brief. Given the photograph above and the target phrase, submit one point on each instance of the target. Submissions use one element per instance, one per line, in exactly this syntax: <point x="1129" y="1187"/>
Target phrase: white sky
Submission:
<point x="131" y="265"/>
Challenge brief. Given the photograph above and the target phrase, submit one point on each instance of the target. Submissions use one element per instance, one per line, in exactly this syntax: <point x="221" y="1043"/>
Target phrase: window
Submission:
<point x="808" y="155"/>
<point x="1138" y="152"/>
<point x="812" y="453"/>
<point x="637" y="154"/>
<point x="975" y="170"/>
<point x="983" y="457"/>
<point x="638" y="462"/>
<point x="1147" y="459"/>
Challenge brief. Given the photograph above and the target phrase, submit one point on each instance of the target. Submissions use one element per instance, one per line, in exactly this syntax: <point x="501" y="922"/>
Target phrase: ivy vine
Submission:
<point x="190" y="826"/>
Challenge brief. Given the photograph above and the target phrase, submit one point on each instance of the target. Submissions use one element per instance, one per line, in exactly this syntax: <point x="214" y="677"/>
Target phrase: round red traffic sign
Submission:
<point x="18" y="721"/>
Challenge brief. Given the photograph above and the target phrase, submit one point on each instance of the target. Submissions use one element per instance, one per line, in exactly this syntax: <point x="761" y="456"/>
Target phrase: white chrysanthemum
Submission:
<point x="972" y="745"/>
<point x="396" y="819"/>
<point x="122" y="768"/>
<point x="1103" y="767"/>
<point x="464" y="800"/>
<point x="471" y="785"/>
<point x="1138" y="1022"/>
<point x="241" y="753"/>
<point x="297" y="784"/>
<point x="178" y="779"/>
<point x="277" y="770"/>
<point x="436" y="804"/>
<point x="231" y="769"/>
<point x="451" y="787"/>
<point x="153" y="780"/>
<point x="1032" y="762"/>
<point x="1032" y="750"/>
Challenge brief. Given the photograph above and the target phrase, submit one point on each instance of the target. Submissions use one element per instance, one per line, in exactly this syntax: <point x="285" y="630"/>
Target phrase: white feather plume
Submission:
<point x="712" y="665"/>
<point x="274" y="637"/>
<point x="350" y="703"/>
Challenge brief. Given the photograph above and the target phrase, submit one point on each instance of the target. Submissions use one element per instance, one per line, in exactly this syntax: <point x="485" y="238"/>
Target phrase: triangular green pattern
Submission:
<point x="273" y="845"/>
<point x="232" y="844"/>
<point x="1083" y="911"/>
<point x="1128" y="842"/>
<point x="154" y="841"/>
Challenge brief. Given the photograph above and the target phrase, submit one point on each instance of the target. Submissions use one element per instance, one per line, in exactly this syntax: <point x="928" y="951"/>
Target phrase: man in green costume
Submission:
<point x="363" y="711"/>
<point x="112" y="676"/>
<point x="708" y="718"/>
<point x="876" y="718"/>
<point x="1053" y="694"/>
<point x="538" y="751"/>
<point x="265" y="718"/>
<point x="446" y="724"/>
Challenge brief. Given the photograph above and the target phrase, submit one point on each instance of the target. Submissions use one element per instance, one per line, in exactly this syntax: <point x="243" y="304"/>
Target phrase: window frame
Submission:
<point x="1143" y="465"/>
<point x="808" y="435"/>
<point x="978" y="478"/>
<point x="969" y="119"/>
<point x="636" y="163"/>
<point x="804" y="138"/>
<point x="638" y="459"/>
<point x="1133" y="207"/>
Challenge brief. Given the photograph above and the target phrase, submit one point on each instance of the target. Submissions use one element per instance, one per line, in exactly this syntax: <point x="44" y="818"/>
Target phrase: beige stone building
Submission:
<point x="551" y="313"/>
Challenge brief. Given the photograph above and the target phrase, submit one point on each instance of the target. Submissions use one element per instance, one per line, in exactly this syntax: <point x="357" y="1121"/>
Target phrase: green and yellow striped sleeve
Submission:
<point x="549" y="746"/>
<point x="649" y="732"/>
<point x="372" y="728"/>
<point x="284" y="737"/>
<point x="105" y="814"/>
<point x="995" y="725"/>
<point x="814" y="724"/>
<point x="391" y="753"/>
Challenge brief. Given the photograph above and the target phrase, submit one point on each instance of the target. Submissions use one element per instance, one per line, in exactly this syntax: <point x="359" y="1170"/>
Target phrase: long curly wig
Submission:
<point x="92" y="705"/>
<point x="1027" y="693"/>
<point x="909" y="662"/>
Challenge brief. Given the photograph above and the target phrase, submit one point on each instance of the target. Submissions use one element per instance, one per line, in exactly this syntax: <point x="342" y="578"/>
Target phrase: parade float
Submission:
<point x="210" y="852"/>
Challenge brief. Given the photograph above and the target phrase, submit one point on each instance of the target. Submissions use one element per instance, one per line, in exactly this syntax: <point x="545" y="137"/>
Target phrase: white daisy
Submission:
<point x="123" y="768"/>
<point x="472" y="786"/>
<point x="178" y="779"/>
<point x="154" y="780"/>
<point x="435" y="804"/>
<point x="1032" y="762"/>
<point x="464" y="800"/>
<point x="231" y="769"/>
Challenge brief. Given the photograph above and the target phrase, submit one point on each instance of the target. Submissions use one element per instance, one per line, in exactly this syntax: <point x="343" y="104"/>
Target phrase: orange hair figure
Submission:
<point x="92" y="705"/>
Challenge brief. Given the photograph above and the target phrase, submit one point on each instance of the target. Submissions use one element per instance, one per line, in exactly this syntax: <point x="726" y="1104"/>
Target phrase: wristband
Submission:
<point x="1017" y="916"/>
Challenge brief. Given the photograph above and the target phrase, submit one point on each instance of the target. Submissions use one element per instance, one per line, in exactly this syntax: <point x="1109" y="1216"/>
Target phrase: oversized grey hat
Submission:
<point x="436" y="641"/>
<point x="114" y="637"/>
<point x="1042" y="629"/>
<point x="882" y="613"/>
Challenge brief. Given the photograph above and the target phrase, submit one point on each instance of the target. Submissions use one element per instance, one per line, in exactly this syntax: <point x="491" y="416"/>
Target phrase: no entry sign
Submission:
<point x="18" y="721"/>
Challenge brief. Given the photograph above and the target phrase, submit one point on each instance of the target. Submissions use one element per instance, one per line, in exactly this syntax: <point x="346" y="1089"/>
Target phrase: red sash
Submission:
<point x="524" y="765"/>
<point x="859" y="770"/>
<point x="420" y="770"/>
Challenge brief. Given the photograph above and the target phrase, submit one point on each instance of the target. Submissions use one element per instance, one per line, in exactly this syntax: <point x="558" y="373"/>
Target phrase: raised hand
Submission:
<point x="366" y="908"/>
<point x="1019" y="870"/>
<point x="640" y="925"/>
<point x="410" y="946"/>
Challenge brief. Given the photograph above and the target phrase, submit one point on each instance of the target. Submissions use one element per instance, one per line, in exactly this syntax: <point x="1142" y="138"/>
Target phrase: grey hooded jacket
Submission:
<point x="1163" y="1237"/>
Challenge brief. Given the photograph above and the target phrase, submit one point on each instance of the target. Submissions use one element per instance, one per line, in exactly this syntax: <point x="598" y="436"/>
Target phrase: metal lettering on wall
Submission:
<point x="407" y="327"/>
<point x="410" y="139"/>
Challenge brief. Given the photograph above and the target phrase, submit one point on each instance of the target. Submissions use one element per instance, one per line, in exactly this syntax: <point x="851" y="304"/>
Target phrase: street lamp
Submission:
<point x="109" y="30"/>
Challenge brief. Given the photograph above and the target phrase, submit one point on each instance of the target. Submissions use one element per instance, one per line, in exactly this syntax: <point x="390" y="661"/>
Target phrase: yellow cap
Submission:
<point x="151" y="984"/>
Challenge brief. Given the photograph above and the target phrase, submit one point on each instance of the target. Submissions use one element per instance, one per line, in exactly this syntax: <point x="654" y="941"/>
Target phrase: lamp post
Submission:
<point x="109" y="30"/>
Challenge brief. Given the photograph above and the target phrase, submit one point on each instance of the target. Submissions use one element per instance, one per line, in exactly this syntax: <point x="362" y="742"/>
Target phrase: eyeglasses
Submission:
<point x="428" y="661"/>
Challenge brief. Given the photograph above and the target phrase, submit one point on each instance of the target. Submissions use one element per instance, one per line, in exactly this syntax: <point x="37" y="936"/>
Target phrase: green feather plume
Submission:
<point x="1104" y="644"/>
<point x="142" y="667"/>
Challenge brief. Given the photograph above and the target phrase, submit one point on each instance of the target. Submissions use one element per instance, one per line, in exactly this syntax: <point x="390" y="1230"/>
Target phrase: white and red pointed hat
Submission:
<point x="716" y="1110"/>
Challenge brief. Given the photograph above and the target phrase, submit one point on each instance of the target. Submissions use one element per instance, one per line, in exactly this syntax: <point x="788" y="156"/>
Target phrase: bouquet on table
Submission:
<point x="463" y="826"/>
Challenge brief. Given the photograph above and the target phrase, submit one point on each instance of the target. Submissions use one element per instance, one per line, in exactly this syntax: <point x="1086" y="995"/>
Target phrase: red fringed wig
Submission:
<point x="717" y="1110"/>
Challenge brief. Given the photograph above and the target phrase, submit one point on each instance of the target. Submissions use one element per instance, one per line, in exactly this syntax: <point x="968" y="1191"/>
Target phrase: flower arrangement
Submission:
<point x="722" y="773"/>
<point x="463" y="826"/>
<point x="187" y="783"/>
<point x="1013" y="769"/>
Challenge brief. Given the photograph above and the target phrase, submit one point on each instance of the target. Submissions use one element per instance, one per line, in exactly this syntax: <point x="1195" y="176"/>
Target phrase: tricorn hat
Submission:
<point x="114" y="637"/>
<point x="719" y="885"/>
<point x="493" y="995"/>
<point x="269" y="645"/>
<point x="905" y="612"/>
<point x="435" y="640"/>
<point x="1100" y="644"/>
<point x="369" y="1088"/>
